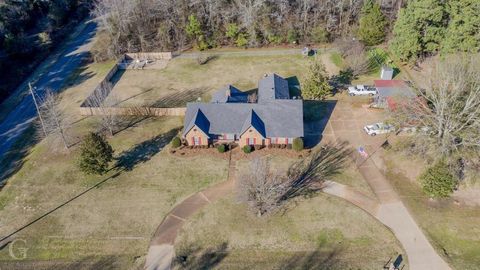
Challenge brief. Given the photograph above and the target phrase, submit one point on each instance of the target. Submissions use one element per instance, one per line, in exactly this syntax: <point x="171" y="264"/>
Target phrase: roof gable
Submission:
<point x="229" y="94"/>
<point x="253" y="120"/>
<point x="199" y="120"/>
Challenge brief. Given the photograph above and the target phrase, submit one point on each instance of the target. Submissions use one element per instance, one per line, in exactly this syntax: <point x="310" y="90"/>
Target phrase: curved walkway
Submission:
<point x="387" y="208"/>
<point x="161" y="251"/>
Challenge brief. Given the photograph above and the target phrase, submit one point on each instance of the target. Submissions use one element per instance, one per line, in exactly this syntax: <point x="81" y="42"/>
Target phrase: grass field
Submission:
<point x="317" y="232"/>
<point x="113" y="223"/>
<point x="184" y="80"/>
<point x="453" y="229"/>
<point x="117" y="218"/>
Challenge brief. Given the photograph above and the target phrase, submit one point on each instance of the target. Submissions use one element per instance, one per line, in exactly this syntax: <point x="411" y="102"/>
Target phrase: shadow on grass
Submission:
<point x="87" y="263"/>
<point x="144" y="151"/>
<point x="79" y="76"/>
<point x="14" y="159"/>
<point x="315" y="117"/>
<point x="179" y="98"/>
<point x="318" y="259"/>
<point x="198" y="259"/>
<point x="308" y="175"/>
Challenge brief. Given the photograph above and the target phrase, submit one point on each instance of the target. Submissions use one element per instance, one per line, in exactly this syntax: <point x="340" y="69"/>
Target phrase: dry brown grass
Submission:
<point x="188" y="80"/>
<point x="118" y="217"/>
<point x="340" y="235"/>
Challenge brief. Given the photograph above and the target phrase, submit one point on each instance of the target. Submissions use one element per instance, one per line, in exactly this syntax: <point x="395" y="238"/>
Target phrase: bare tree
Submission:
<point x="261" y="188"/>
<point x="357" y="60"/>
<point x="54" y="121"/>
<point x="266" y="191"/>
<point x="447" y="114"/>
<point x="105" y="102"/>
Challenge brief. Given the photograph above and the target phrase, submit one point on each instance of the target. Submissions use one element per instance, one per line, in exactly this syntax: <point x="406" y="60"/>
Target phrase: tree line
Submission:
<point x="170" y="25"/>
<point x="423" y="27"/>
<point x="426" y="27"/>
<point x="29" y="30"/>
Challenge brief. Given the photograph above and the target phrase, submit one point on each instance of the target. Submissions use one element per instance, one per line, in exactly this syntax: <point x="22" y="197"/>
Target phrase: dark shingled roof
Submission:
<point x="235" y="95"/>
<point x="281" y="118"/>
<point x="200" y="120"/>
<point x="272" y="87"/>
<point x="275" y="114"/>
<point x="254" y="121"/>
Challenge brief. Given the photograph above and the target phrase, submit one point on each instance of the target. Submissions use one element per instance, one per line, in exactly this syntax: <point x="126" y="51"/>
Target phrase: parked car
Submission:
<point x="378" y="128"/>
<point x="362" y="90"/>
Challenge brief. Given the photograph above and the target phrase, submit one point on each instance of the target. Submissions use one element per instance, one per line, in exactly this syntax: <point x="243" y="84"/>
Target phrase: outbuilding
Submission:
<point x="391" y="92"/>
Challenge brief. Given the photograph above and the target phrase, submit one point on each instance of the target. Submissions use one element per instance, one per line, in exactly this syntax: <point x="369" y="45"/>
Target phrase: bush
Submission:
<point x="176" y="142"/>
<point x="95" y="154"/>
<point x="242" y="40"/>
<point x="437" y="181"/>
<point x="297" y="144"/>
<point x="221" y="148"/>
<point x="320" y="35"/>
<point x="292" y="36"/>
<point x="247" y="149"/>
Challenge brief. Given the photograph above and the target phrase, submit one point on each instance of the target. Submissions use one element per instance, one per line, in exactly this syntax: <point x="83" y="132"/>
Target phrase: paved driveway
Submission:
<point x="346" y="124"/>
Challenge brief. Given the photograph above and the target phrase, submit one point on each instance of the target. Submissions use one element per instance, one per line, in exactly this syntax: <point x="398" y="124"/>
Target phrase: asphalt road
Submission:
<point x="52" y="78"/>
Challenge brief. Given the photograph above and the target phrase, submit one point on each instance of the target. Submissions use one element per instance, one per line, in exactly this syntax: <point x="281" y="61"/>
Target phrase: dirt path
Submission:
<point x="161" y="251"/>
<point x="330" y="67"/>
<point x="249" y="52"/>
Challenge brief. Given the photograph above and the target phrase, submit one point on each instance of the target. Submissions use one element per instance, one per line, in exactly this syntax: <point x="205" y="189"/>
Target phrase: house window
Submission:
<point x="197" y="140"/>
<point x="251" y="141"/>
<point x="289" y="140"/>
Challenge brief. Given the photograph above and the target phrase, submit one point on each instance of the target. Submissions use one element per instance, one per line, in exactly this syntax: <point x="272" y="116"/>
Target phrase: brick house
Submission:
<point x="233" y="116"/>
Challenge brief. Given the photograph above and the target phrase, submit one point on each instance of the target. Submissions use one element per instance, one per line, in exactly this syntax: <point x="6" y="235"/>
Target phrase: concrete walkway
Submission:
<point x="393" y="213"/>
<point x="161" y="251"/>
<point x="346" y="123"/>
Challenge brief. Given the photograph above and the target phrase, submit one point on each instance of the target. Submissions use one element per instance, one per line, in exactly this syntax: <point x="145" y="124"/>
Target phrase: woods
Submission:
<point x="171" y="25"/>
<point x="29" y="31"/>
<point x="425" y="27"/>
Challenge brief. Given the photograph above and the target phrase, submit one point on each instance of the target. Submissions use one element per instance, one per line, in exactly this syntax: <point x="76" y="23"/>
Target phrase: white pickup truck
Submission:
<point x="362" y="90"/>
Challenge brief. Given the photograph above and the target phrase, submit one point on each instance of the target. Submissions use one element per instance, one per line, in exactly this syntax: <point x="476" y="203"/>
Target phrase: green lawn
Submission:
<point x="453" y="229"/>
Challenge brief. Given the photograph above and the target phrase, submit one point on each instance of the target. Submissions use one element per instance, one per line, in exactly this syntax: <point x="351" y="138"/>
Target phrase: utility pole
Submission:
<point x="38" y="109"/>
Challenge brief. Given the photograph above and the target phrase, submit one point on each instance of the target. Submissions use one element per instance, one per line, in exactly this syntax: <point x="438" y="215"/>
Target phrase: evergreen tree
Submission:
<point x="419" y="29"/>
<point x="193" y="28"/>
<point x="194" y="31"/>
<point x="95" y="154"/>
<point x="316" y="86"/>
<point x="437" y="181"/>
<point x="463" y="29"/>
<point x="372" y="24"/>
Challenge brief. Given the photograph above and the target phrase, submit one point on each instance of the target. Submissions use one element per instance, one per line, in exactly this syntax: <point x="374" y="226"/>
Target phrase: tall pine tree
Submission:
<point x="372" y="24"/>
<point x="95" y="154"/>
<point x="316" y="85"/>
<point x="463" y="31"/>
<point x="419" y="29"/>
